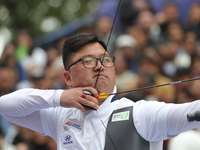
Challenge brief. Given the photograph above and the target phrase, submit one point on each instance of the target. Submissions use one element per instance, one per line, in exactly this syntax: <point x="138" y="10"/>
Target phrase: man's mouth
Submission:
<point x="100" y="75"/>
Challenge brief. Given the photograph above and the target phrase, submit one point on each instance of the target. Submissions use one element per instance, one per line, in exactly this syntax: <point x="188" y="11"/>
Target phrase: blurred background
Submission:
<point x="41" y="17"/>
<point x="154" y="42"/>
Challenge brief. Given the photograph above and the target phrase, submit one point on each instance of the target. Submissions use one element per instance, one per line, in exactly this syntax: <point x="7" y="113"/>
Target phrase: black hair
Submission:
<point x="74" y="43"/>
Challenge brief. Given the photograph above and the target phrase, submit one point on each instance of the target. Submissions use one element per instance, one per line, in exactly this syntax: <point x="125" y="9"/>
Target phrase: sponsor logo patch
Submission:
<point x="67" y="140"/>
<point x="120" y="116"/>
<point x="73" y="125"/>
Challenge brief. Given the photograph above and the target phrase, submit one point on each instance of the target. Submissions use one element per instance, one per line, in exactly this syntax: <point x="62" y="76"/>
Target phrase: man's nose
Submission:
<point x="99" y="65"/>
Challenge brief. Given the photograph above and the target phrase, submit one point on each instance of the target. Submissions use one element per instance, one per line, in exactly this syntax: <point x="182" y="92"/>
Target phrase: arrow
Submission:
<point x="105" y="95"/>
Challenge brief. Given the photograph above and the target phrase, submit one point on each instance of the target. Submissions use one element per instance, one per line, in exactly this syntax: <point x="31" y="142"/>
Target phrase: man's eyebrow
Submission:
<point x="87" y="55"/>
<point x="105" y="55"/>
<point x="93" y="56"/>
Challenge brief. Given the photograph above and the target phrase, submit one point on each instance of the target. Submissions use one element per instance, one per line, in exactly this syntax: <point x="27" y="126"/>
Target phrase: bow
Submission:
<point x="100" y="70"/>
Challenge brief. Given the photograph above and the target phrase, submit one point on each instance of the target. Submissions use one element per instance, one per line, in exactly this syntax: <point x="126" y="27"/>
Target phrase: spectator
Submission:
<point x="8" y="59"/>
<point x="149" y="66"/>
<point x="146" y="20"/>
<point x="194" y="19"/>
<point x="3" y="144"/>
<point x="125" y="78"/>
<point x="128" y="45"/>
<point x="169" y="13"/>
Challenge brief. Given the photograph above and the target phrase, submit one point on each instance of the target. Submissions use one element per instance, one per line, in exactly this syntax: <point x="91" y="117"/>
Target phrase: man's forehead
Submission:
<point x="92" y="49"/>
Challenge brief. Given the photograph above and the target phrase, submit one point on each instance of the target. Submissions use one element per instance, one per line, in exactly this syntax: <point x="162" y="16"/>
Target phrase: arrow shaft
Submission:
<point x="155" y="86"/>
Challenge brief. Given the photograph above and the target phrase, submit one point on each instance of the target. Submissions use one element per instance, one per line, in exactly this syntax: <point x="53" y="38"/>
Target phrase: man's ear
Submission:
<point x="67" y="78"/>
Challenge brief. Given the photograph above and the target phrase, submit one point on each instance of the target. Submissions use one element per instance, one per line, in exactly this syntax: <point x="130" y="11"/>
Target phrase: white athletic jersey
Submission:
<point x="72" y="129"/>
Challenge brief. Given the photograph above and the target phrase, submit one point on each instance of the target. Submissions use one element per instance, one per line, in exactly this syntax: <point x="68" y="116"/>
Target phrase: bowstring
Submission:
<point x="101" y="68"/>
<point x="109" y="37"/>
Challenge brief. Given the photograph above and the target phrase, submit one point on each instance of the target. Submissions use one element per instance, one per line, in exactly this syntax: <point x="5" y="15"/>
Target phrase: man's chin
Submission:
<point x="102" y="88"/>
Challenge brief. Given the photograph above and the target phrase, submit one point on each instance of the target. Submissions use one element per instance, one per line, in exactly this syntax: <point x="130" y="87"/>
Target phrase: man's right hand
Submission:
<point x="73" y="98"/>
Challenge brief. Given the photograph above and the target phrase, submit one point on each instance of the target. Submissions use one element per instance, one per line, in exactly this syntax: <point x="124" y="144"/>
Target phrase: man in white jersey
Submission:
<point x="62" y="114"/>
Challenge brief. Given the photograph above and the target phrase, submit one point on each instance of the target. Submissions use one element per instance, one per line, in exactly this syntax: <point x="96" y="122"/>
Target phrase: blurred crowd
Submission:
<point x="151" y="48"/>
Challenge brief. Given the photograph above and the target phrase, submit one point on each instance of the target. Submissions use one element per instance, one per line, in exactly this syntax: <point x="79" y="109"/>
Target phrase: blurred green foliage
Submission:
<point x="31" y="14"/>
